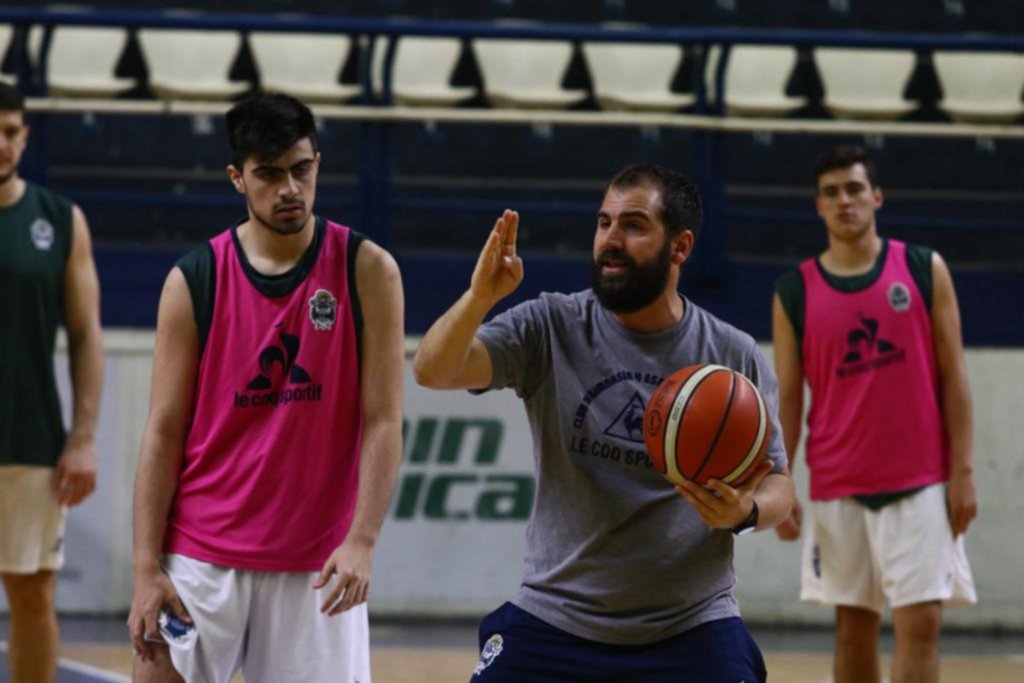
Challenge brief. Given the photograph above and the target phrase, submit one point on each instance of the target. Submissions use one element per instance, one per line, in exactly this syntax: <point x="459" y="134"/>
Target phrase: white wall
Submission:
<point x="453" y="541"/>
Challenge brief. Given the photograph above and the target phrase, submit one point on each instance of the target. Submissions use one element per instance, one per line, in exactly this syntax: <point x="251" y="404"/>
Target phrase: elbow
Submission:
<point x="422" y="373"/>
<point x="87" y="335"/>
<point x="421" y="376"/>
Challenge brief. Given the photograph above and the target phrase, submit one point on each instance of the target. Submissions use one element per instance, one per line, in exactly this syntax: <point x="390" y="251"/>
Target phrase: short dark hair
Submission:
<point x="680" y="199"/>
<point x="845" y="156"/>
<point x="11" y="98"/>
<point x="267" y="125"/>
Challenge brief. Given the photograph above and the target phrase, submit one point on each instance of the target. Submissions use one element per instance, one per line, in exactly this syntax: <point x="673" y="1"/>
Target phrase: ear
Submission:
<point x="879" y="198"/>
<point x="819" y="205"/>
<point x="682" y="247"/>
<point x="235" y="176"/>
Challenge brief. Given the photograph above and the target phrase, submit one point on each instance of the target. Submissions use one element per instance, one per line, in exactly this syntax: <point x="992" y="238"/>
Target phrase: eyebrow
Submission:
<point x="845" y="183"/>
<point x="635" y="213"/>
<point x="269" y="167"/>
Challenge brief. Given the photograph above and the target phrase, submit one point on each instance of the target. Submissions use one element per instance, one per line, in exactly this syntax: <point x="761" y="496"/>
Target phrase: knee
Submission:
<point x="857" y="629"/>
<point x="29" y="594"/>
<point x="919" y="624"/>
<point x="850" y="639"/>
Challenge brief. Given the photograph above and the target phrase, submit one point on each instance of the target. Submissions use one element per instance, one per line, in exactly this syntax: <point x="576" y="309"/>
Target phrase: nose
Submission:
<point x="613" y="236"/>
<point x="290" y="187"/>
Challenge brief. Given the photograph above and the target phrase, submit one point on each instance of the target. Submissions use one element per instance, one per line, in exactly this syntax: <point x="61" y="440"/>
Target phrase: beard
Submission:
<point x="637" y="287"/>
<point x="288" y="226"/>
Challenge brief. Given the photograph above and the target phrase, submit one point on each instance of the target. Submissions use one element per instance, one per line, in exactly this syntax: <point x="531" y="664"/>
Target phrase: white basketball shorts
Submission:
<point x="904" y="553"/>
<point x="268" y="624"/>
<point x="31" y="521"/>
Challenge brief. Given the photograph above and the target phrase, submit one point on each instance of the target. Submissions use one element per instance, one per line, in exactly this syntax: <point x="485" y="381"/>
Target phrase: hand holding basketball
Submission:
<point x="498" y="270"/>
<point x="720" y="505"/>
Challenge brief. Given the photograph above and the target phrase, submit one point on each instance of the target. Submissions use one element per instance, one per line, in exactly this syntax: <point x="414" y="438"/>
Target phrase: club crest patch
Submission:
<point x="492" y="648"/>
<point x="899" y="297"/>
<point x="42" y="234"/>
<point x="323" y="310"/>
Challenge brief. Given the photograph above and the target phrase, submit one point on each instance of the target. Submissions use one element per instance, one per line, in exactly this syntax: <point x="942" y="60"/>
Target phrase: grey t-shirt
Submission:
<point x="614" y="553"/>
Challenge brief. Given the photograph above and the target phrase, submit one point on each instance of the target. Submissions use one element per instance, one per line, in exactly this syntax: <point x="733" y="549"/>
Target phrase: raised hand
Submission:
<point x="498" y="270"/>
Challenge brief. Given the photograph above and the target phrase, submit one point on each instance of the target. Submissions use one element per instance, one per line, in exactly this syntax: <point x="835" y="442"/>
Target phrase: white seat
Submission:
<point x="6" y="34"/>
<point x="82" y="60"/>
<point x="525" y="73"/>
<point x="305" y="66"/>
<point x="421" y="71"/>
<point x="635" y="76"/>
<point x="755" y="79"/>
<point x="981" y="87"/>
<point x="865" y="83"/>
<point x="191" y="64"/>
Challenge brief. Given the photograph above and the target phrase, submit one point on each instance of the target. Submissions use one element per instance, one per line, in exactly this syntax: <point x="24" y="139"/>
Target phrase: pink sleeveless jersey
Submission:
<point x="270" y="470"/>
<point x="874" y="425"/>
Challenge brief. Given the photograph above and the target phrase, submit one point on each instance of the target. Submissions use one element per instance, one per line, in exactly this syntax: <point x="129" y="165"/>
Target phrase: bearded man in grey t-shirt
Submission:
<point x="627" y="578"/>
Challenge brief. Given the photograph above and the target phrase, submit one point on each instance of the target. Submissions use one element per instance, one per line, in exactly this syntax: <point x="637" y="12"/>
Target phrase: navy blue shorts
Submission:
<point x="517" y="647"/>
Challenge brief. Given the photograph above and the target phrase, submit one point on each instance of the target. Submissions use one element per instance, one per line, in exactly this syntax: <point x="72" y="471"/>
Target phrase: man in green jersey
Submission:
<point x="46" y="273"/>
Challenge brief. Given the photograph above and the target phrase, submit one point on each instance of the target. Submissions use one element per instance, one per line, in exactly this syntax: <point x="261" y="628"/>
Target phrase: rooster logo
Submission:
<point x="284" y="356"/>
<point x="863" y="341"/>
<point x="629" y="423"/>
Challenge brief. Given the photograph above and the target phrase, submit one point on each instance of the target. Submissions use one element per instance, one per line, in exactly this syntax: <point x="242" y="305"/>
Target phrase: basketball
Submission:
<point x="706" y="422"/>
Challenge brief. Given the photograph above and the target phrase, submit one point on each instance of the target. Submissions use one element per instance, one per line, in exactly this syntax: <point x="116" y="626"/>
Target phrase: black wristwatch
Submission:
<point x="749" y="525"/>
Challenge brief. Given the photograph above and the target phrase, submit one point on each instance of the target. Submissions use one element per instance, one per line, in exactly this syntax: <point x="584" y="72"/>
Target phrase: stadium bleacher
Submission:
<point x="153" y="184"/>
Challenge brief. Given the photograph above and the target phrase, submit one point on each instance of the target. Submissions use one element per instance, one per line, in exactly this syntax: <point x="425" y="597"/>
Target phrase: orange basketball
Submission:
<point x="706" y="422"/>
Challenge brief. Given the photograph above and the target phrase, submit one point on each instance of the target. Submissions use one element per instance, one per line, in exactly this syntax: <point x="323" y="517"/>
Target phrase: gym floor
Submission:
<point x="404" y="651"/>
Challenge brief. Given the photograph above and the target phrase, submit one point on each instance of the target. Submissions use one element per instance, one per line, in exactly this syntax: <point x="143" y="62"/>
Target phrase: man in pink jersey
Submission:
<point x="274" y="433"/>
<point x="874" y="327"/>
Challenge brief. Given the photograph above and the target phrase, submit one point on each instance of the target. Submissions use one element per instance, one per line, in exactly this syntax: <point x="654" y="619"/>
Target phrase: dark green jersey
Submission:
<point x="35" y="242"/>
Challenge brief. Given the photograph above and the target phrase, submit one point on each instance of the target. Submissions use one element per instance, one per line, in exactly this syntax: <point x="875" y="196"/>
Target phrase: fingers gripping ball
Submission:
<point x="706" y="422"/>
